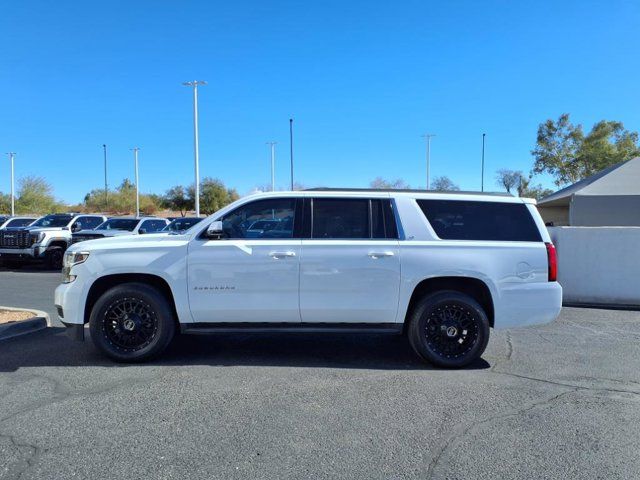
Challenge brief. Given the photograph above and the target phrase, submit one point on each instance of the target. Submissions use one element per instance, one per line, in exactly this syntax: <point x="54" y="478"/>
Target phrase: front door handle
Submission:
<point x="279" y="255"/>
<point x="376" y="255"/>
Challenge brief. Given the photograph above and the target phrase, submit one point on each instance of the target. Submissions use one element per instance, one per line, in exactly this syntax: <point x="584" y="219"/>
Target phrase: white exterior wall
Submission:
<point x="598" y="264"/>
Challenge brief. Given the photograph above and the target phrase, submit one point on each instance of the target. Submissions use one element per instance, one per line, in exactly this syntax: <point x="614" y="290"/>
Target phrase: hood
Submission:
<point x="35" y="229"/>
<point x="106" y="233"/>
<point x="130" y="241"/>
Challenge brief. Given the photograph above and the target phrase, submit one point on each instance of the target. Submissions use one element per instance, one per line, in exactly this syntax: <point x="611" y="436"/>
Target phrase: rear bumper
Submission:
<point x="528" y="304"/>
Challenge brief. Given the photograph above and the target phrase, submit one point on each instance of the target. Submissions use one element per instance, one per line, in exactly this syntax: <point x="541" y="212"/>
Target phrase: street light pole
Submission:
<point x="291" y="148"/>
<point x="482" y="173"/>
<point x="135" y="159"/>
<point x="273" y="165"/>
<point x="196" y="153"/>
<point x="13" y="198"/>
<point x="106" y="188"/>
<point x="428" y="137"/>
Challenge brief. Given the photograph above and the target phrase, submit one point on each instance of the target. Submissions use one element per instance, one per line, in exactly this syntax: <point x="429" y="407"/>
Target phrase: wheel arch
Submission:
<point x="474" y="287"/>
<point x="58" y="242"/>
<point x="104" y="283"/>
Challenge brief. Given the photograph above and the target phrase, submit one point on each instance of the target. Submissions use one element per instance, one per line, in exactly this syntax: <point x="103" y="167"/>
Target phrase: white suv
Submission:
<point x="440" y="268"/>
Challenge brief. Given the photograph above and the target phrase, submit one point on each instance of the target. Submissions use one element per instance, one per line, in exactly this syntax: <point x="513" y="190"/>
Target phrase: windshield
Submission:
<point x="180" y="224"/>
<point x="54" y="221"/>
<point x="127" y="224"/>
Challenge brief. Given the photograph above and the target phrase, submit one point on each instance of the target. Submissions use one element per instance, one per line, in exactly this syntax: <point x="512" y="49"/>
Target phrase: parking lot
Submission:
<point x="556" y="401"/>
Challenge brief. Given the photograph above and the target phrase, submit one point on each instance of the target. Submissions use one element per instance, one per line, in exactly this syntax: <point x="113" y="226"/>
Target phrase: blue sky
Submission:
<point x="363" y="81"/>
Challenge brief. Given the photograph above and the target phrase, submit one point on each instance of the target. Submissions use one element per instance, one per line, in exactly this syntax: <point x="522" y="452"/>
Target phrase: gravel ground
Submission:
<point x="7" y="316"/>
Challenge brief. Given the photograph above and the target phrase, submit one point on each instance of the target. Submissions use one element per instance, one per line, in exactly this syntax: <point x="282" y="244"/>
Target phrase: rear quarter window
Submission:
<point x="472" y="220"/>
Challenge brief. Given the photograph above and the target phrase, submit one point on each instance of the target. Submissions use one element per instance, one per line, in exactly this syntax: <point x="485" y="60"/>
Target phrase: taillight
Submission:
<point x="552" y="259"/>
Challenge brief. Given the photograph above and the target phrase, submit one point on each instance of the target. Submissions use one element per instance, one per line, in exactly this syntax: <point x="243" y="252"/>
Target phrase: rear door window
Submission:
<point x="340" y="218"/>
<point x="472" y="220"/>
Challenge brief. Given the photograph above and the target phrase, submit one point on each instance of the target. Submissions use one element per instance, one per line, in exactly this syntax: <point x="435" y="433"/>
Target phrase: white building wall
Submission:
<point x="598" y="264"/>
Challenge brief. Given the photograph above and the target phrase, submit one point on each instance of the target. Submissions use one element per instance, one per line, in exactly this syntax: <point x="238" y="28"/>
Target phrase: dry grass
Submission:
<point x="7" y="316"/>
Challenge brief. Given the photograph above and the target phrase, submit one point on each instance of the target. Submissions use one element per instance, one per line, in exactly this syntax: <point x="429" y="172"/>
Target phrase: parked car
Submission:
<point x="180" y="224"/>
<point x="441" y="268"/>
<point x="117" y="226"/>
<point x="45" y="240"/>
<point x="13" y="222"/>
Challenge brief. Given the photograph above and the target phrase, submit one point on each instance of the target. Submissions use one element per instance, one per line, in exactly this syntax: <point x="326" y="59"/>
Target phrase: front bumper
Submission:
<point x="22" y="254"/>
<point x="69" y="301"/>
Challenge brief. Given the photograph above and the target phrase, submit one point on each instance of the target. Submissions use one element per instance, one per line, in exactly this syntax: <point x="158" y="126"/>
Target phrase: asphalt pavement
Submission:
<point x="554" y="401"/>
<point x="30" y="287"/>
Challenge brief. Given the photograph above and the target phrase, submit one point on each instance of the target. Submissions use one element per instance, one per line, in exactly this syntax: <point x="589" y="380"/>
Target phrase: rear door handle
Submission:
<point x="376" y="255"/>
<point x="279" y="255"/>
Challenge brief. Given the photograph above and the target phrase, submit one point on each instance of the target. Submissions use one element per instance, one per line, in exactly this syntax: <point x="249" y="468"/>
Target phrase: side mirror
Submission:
<point x="142" y="231"/>
<point x="76" y="227"/>
<point x="215" y="230"/>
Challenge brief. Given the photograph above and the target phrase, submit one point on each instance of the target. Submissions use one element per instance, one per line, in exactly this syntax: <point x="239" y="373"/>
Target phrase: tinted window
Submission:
<point x="340" y="218"/>
<point x="377" y="219"/>
<point x="261" y="219"/>
<point x="53" y="221"/>
<point x="88" y="223"/>
<point x="180" y="224"/>
<point x="153" y="225"/>
<point x="20" y="222"/>
<point x="127" y="224"/>
<point x="468" y="220"/>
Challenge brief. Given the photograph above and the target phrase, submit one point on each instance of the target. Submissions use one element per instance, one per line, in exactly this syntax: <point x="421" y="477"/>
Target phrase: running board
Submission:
<point x="290" y="327"/>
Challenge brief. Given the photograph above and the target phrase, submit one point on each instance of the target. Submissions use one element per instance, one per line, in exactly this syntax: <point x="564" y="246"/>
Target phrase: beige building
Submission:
<point x="608" y="198"/>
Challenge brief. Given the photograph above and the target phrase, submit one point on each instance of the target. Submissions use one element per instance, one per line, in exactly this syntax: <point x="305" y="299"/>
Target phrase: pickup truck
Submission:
<point x="441" y="268"/>
<point x="118" y="226"/>
<point x="45" y="240"/>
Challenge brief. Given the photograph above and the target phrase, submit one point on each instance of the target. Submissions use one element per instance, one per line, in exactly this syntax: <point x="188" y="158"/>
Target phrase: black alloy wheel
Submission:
<point x="448" y="329"/>
<point x="132" y="322"/>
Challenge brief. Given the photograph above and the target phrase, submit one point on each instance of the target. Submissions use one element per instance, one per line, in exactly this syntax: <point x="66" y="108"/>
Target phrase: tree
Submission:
<point x="35" y="195"/>
<point x="213" y="195"/>
<point x="381" y="183"/>
<point x="177" y="198"/>
<point x="122" y="200"/>
<point x="509" y="179"/>
<point x="563" y="150"/>
<point x="5" y="203"/>
<point x="525" y="189"/>
<point x="443" y="184"/>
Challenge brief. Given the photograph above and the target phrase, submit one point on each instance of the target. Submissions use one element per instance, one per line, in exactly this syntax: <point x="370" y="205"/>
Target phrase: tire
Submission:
<point x="132" y="322"/>
<point x="448" y="329"/>
<point x="54" y="257"/>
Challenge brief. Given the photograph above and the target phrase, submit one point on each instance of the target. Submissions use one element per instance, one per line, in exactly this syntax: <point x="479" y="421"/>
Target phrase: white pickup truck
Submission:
<point x="441" y="268"/>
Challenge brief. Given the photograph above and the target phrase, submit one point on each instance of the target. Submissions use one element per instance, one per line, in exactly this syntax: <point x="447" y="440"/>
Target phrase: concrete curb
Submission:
<point x="39" y="321"/>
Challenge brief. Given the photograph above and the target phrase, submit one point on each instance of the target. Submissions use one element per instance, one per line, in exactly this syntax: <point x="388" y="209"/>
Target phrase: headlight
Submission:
<point x="71" y="259"/>
<point x="37" y="237"/>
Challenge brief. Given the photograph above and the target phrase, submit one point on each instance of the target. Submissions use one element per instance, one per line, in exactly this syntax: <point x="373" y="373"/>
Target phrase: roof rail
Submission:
<point x="406" y="190"/>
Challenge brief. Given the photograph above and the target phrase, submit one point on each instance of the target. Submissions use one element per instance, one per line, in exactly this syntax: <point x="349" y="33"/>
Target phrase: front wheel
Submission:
<point x="132" y="322"/>
<point x="54" y="257"/>
<point x="448" y="329"/>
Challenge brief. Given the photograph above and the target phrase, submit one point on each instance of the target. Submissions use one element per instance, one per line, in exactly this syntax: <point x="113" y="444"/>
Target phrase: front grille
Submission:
<point x="9" y="239"/>
<point x="75" y="238"/>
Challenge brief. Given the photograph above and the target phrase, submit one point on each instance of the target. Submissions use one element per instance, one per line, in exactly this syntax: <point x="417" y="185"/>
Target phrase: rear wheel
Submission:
<point x="448" y="329"/>
<point x="131" y="323"/>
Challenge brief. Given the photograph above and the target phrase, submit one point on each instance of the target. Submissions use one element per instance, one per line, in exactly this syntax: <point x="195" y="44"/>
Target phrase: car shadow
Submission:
<point x="52" y="347"/>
